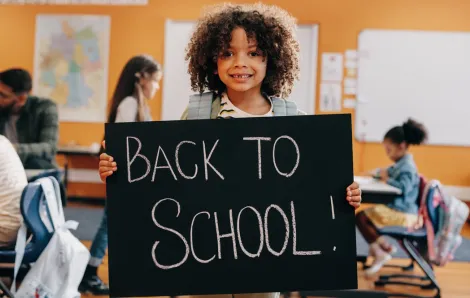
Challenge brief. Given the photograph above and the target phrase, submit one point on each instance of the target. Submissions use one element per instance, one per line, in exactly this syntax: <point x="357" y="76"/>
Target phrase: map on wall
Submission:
<point x="71" y="65"/>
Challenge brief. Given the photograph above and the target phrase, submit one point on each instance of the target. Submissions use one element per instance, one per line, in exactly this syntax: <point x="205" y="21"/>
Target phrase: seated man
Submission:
<point x="30" y="123"/>
<point x="12" y="182"/>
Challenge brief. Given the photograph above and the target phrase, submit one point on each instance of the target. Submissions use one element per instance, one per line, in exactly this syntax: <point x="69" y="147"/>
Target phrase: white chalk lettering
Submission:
<point x="263" y="228"/>
<point x="261" y="236"/>
<point x="332" y="208"/>
<point x="177" y="160"/>
<point x="294" y="234"/>
<point x="206" y="160"/>
<point x="296" y="150"/>
<point x="232" y="235"/>
<point x="162" y="167"/>
<point x="154" y="257"/>
<point x="259" y="139"/>
<point x="191" y="239"/>
<point x="137" y="154"/>
<point x="286" y="222"/>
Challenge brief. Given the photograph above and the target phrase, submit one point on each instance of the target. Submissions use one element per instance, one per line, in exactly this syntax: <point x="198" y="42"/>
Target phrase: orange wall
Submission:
<point x="141" y="29"/>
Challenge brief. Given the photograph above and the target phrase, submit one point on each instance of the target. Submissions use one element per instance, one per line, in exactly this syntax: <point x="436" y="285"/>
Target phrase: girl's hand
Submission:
<point x="353" y="195"/>
<point x="106" y="166"/>
<point x="383" y="175"/>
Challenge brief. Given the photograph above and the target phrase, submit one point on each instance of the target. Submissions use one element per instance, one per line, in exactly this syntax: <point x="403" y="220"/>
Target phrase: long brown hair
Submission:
<point x="136" y="67"/>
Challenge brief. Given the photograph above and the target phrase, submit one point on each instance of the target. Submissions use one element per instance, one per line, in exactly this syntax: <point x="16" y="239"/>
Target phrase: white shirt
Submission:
<point x="229" y="110"/>
<point x="12" y="182"/>
<point x="127" y="111"/>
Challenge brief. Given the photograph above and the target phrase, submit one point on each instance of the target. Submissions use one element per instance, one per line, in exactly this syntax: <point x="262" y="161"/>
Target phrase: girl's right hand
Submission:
<point x="106" y="166"/>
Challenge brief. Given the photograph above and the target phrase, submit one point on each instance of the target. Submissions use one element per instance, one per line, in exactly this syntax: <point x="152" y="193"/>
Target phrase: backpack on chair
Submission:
<point x="201" y="106"/>
<point x="61" y="265"/>
<point x="453" y="214"/>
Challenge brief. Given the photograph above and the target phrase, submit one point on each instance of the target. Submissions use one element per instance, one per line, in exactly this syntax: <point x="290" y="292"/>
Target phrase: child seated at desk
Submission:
<point x="403" y="211"/>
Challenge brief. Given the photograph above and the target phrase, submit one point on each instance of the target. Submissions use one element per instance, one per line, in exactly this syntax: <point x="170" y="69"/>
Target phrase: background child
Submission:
<point x="403" y="211"/>
<point x="138" y="82"/>
<point x="245" y="55"/>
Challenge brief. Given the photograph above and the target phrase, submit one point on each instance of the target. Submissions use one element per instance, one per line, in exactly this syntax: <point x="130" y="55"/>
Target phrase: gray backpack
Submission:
<point x="204" y="106"/>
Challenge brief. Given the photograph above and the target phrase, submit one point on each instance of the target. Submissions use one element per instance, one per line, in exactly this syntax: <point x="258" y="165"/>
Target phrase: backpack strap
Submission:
<point x="215" y="108"/>
<point x="282" y="107"/>
<point x="204" y="106"/>
<point x="200" y="106"/>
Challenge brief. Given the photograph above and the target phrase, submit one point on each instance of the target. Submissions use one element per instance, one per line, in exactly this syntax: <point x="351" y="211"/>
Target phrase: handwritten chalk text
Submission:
<point x="234" y="234"/>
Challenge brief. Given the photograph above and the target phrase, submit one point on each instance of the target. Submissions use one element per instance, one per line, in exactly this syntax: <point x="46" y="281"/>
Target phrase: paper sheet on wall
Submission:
<point x="351" y="72"/>
<point x="350" y="83"/>
<point x="350" y="91"/>
<point x="350" y="64"/>
<point x="349" y="103"/>
<point x="351" y="54"/>
<point x="330" y="97"/>
<point x="332" y="67"/>
<point x="350" y="86"/>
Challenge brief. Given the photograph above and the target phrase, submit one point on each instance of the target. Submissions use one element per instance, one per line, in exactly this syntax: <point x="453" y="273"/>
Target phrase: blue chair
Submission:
<point x="410" y="267"/>
<point x="416" y="246"/>
<point x="40" y="228"/>
<point x="59" y="176"/>
<point x="4" y="291"/>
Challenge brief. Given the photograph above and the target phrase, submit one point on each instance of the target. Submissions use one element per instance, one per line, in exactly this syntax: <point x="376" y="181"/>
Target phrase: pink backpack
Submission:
<point x="443" y="217"/>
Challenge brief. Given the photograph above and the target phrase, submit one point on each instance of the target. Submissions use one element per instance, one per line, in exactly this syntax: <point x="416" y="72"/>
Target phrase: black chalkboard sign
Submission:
<point x="231" y="206"/>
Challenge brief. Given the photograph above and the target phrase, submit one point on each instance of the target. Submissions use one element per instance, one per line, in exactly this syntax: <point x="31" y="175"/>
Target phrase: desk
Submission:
<point x="375" y="191"/>
<point x="75" y="150"/>
<point x="78" y="150"/>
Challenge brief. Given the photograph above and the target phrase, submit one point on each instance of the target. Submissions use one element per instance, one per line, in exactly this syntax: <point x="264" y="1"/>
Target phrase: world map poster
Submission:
<point x="71" y="65"/>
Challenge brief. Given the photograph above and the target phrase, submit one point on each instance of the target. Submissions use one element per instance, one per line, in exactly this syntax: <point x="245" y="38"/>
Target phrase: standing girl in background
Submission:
<point x="138" y="82"/>
<point x="403" y="211"/>
<point x="246" y="56"/>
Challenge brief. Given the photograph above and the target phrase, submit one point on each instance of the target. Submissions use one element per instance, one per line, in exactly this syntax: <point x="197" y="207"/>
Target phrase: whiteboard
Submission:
<point x="420" y="74"/>
<point x="176" y="84"/>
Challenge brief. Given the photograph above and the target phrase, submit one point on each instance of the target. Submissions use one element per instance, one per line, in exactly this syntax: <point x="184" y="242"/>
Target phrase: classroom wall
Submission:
<point x="340" y="22"/>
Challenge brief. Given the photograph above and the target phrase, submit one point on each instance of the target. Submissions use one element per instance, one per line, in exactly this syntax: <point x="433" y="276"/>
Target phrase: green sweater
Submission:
<point x="37" y="129"/>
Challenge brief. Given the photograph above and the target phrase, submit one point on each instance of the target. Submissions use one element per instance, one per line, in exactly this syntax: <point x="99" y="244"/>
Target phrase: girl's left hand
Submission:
<point x="353" y="195"/>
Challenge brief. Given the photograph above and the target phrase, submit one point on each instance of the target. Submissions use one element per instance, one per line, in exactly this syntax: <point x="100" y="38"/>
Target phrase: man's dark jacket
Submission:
<point x="38" y="131"/>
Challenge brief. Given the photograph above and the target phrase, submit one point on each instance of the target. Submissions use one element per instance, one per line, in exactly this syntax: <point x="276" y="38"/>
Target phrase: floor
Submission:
<point x="453" y="278"/>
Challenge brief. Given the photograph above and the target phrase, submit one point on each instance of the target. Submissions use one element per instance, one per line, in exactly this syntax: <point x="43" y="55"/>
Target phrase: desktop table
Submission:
<point x="375" y="191"/>
<point x="67" y="151"/>
<point x="75" y="150"/>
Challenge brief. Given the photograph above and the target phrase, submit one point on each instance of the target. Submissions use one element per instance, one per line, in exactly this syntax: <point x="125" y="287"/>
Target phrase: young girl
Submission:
<point x="403" y="211"/>
<point x="138" y="82"/>
<point x="245" y="55"/>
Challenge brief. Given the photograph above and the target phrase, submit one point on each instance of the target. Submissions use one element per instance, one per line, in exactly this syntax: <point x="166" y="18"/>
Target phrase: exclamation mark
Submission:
<point x="332" y="208"/>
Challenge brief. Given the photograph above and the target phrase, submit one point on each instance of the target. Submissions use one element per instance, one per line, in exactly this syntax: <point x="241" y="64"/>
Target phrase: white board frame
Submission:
<point x="424" y="75"/>
<point x="176" y="86"/>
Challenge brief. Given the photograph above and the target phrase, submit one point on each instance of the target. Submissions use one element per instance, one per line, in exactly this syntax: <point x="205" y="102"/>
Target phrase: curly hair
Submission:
<point x="274" y="31"/>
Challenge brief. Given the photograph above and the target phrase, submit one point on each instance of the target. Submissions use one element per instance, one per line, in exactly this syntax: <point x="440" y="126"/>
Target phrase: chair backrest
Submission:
<point x="37" y="219"/>
<point x="432" y="205"/>
<point x="422" y="186"/>
<point x="57" y="174"/>
<point x="38" y="222"/>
